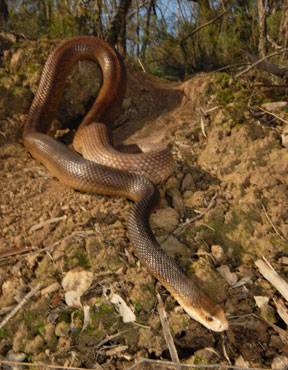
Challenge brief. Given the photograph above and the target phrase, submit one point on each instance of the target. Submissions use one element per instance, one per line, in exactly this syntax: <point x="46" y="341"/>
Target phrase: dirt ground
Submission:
<point x="224" y="207"/>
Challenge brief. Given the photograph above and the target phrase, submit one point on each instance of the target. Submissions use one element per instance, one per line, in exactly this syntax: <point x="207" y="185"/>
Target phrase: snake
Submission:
<point x="94" y="165"/>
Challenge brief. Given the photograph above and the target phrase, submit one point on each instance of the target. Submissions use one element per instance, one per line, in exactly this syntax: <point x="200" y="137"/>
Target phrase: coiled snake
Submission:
<point x="134" y="181"/>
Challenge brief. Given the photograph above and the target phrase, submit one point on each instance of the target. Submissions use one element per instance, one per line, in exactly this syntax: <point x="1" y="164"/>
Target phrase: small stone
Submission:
<point x="280" y="362"/>
<point x="240" y="362"/>
<point x="171" y="183"/>
<point x="35" y="345"/>
<point x="171" y="245"/>
<point x="218" y="253"/>
<point x="275" y="106"/>
<point x="62" y="329"/>
<point x="284" y="137"/>
<point x="230" y="277"/>
<point x="64" y="344"/>
<point x="188" y="182"/>
<point x="48" y="334"/>
<point x="16" y="60"/>
<point x="20" y="338"/>
<point x="19" y="241"/>
<point x="187" y="194"/>
<point x="165" y="218"/>
<point x="204" y="356"/>
<point x="127" y="103"/>
<point x="16" y="356"/>
<point x="177" y="202"/>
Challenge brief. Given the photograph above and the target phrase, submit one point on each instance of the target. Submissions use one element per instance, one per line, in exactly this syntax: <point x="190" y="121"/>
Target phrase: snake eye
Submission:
<point x="209" y="318"/>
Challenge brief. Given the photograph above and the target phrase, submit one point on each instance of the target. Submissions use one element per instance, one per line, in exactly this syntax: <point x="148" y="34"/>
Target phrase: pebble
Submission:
<point x="280" y="362"/>
<point x="230" y="277"/>
<point x="165" y="218"/>
<point x="62" y="329"/>
<point x="187" y="182"/>
<point x="275" y="106"/>
<point x="48" y="333"/>
<point x="35" y="345"/>
<point x="284" y="137"/>
<point x="218" y="253"/>
<point x="171" y="245"/>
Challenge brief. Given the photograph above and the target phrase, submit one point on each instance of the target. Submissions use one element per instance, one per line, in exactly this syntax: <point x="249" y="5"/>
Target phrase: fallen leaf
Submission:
<point x="126" y="313"/>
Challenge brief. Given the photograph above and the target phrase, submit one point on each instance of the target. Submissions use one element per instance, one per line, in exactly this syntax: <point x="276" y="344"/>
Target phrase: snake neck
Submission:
<point x="184" y="289"/>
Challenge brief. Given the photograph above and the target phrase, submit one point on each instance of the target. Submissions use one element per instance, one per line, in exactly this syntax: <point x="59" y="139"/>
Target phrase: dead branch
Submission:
<point x="201" y="214"/>
<point x="271" y="114"/>
<point x="281" y="309"/>
<point x="166" y="330"/>
<point x="200" y="28"/>
<point x="20" y="305"/>
<point x="182" y="43"/>
<point x="47" y="222"/>
<point x="6" y="362"/>
<point x="271" y="223"/>
<point x="259" y="61"/>
<point x="169" y="364"/>
<point x="270" y="67"/>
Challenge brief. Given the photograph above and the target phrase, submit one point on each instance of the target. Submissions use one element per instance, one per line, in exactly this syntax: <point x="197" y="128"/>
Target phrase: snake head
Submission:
<point x="200" y="307"/>
<point x="215" y="322"/>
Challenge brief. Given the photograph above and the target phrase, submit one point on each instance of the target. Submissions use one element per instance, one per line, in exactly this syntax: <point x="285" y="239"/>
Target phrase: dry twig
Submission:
<point x="260" y="61"/>
<point x="271" y="223"/>
<point x="203" y="127"/>
<point x="166" y="330"/>
<point x="47" y="222"/>
<point x="201" y="214"/>
<point x="169" y="364"/>
<point x="111" y="337"/>
<point x="6" y="362"/>
<point x="271" y="114"/>
<point x="141" y="65"/>
<point x="281" y="309"/>
<point x="20" y="305"/>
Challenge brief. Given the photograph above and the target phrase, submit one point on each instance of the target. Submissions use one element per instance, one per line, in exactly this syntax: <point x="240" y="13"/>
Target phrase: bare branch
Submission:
<point x="277" y="52"/>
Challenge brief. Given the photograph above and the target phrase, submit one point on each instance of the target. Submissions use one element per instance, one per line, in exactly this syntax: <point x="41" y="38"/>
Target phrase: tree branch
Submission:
<point x="259" y="61"/>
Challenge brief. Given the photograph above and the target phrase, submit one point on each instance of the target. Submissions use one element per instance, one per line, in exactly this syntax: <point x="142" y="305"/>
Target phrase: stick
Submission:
<point x="111" y="337"/>
<point x="189" y="221"/>
<point x="273" y="278"/>
<point x="166" y="330"/>
<point x="199" y="366"/>
<point x="141" y="65"/>
<point x="261" y="60"/>
<point x="272" y="114"/>
<point x="200" y="27"/>
<point x="47" y="222"/>
<point x="281" y="309"/>
<point x="203" y="127"/>
<point x="50" y="366"/>
<point x="271" y="223"/>
<point x="20" y="305"/>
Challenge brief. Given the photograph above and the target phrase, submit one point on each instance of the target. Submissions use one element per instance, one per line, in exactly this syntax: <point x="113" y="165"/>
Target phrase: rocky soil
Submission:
<point x="224" y="207"/>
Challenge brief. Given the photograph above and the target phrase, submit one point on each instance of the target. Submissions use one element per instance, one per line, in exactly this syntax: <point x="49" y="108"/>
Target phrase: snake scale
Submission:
<point x="95" y="166"/>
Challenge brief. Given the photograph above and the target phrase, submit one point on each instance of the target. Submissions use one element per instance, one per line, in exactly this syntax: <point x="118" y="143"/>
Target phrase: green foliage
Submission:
<point x="273" y="22"/>
<point x="173" y="51"/>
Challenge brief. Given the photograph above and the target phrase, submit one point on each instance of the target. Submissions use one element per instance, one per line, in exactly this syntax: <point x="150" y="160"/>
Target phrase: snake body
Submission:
<point x="111" y="175"/>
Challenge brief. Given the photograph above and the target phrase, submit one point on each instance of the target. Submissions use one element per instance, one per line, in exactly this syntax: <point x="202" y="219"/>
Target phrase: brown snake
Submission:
<point x="83" y="173"/>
